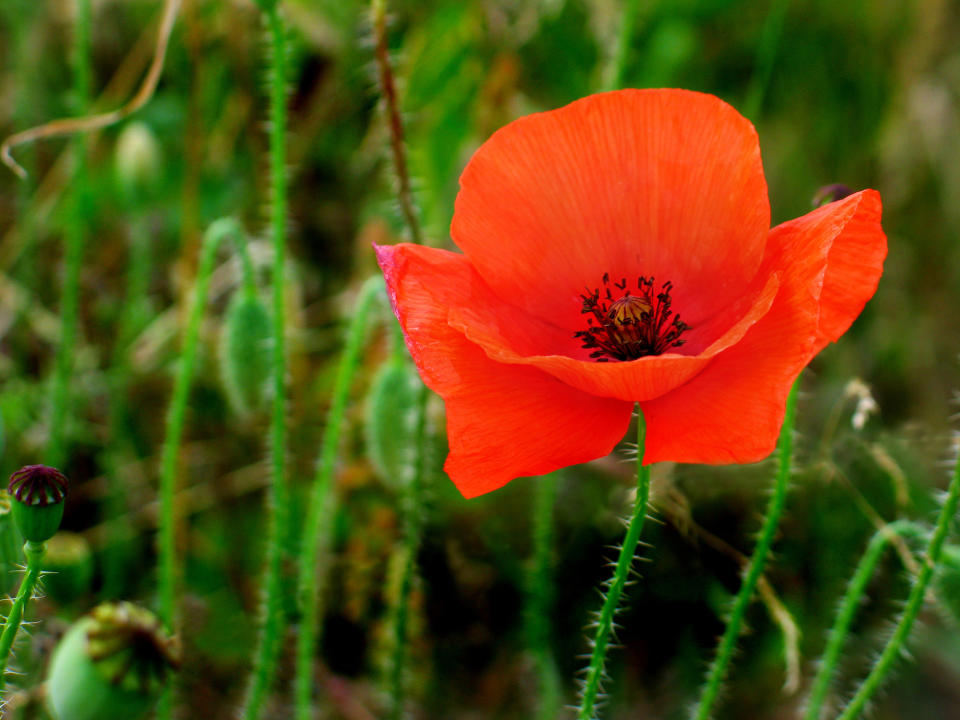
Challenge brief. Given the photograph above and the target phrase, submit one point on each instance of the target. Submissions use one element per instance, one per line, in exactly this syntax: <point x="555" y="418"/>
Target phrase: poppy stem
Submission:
<point x="848" y="608"/>
<point x="616" y="585"/>
<point x="279" y="531"/>
<point x="721" y="661"/>
<point x="540" y="598"/>
<point x="173" y="433"/>
<point x="914" y="602"/>
<point x="410" y="510"/>
<point x="388" y="91"/>
<point x="34" y="552"/>
<point x="75" y="240"/>
<point x="319" y="522"/>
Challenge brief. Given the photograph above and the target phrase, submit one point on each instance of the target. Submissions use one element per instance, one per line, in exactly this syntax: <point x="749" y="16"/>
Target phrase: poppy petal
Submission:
<point x="503" y="421"/>
<point x="854" y="263"/>
<point x="666" y="183"/>
<point x="636" y="380"/>
<point x="732" y="411"/>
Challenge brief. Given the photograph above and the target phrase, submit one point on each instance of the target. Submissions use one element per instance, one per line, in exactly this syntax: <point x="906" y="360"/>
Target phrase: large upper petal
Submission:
<point x="666" y="183"/>
<point x="830" y="262"/>
<point x="503" y="420"/>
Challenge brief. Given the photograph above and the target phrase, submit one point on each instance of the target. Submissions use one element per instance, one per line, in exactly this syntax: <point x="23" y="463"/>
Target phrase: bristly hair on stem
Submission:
<point x="604" y="626"/>
<point x="721" y="661"/>
<point x="320" y="518"/>
<point x="278" y="531"/>
<point x="848" y="607"/>
<point x="388" y="91"/>
<point x="174" y="427"/>
<point x="75" y="240"/>
<point x="894" y="648"/>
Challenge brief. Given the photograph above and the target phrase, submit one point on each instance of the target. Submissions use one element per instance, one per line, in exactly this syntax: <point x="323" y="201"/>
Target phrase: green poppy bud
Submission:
<point x="137" y="162"/>
<point x="245" y="360"/>
<point x="110" y="665"/>
<point x="69" y="567"/>
<point x="39" y="492"/>
<point x="391" y="414"/>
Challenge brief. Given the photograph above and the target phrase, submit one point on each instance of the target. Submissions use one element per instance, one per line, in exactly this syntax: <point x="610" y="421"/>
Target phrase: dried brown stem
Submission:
<point x="69" y="126"/>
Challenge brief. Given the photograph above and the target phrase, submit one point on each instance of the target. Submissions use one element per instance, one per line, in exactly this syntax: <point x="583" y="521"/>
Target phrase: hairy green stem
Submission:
<point x="721" y="662"/>
<point x="914" y="604"/>
<point x="604" y="625"/>
<point x="412" y="529"/>
<point x="319" y="522"/>
<point x="272" y="620"/>
<point x="848" y="608"/>
<point x="34" y="552"/>
<point x="175" y="419"/>
<point x="389" y="91"/>
<point x="74" y="237"/>
<point x="132" y="314"/>
<point x="540" y="597"/>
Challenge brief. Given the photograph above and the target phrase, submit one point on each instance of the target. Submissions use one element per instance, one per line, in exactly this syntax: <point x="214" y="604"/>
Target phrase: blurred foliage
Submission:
<point x="863" y="93"/>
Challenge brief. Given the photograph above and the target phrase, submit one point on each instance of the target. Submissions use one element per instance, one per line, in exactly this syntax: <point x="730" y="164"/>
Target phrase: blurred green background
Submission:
<point x="863" y="93"/>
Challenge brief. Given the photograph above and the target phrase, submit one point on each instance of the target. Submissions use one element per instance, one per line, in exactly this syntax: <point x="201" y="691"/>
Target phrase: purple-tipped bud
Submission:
<point x="39" y="491"/>
<point x="831" y="193"/>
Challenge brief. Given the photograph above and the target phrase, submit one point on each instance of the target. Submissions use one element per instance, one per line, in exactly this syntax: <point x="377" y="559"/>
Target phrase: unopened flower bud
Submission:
<point x="38" y="492"/>
<point x="111" y="665"/>
<point x="245" y="352"/>
<point x="137" y="159"/>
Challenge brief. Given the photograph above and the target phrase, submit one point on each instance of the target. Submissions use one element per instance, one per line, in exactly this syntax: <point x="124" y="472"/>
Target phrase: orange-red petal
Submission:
<point x="503" y="421"/>
<point x="666" y="183"/>
<point x="830" y="261"/>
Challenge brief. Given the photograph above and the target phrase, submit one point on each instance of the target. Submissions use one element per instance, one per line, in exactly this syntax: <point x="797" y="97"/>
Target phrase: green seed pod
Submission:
<point x="391" y="414"/>
<point x="245" y="352"/>
<point x="39" y="492"/>
<point x="69" y="567"/>
<point x="137" y="161"/>
<point x="111" y="665"/>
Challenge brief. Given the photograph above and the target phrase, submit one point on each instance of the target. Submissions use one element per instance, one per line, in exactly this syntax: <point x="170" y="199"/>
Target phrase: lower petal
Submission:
<point x="503" y="421"/>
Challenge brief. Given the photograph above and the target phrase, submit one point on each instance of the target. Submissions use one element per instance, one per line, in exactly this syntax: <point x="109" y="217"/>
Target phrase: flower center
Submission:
<point x="631" y="326"/>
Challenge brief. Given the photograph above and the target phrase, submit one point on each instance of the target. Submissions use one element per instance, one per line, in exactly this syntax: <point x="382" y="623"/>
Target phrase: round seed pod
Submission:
<point x="110" y="665"/>
<point x="245" y="352"/>
<point x="38" y="492"/>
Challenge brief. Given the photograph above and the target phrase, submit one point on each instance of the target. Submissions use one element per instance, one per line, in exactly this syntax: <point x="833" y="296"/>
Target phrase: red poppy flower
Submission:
<point x="587" y="233"/>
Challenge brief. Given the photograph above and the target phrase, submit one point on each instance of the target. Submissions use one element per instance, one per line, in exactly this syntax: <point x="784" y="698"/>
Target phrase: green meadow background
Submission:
<point x="862" y="93"/>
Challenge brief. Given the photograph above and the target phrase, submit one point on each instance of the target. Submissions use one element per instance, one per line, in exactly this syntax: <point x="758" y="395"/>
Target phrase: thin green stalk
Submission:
<point x="34" y="552"/>
<point x="74" y="237"/>
<point x="604" y="625"/>
<point x="848" y="608"/>
<point x="914" y="603"/>
<point x="133" y="311"/>
<point x="540" y="598"/>
<point x="618" y="62"/>
<point x="766" y="54"/>
<point x="272" y="620"/>
<point x="318" y="525"/>
<point x="176" y="416"/>
<point x="412" y="528"/>
<point x="389" y="91"/>
<point x="721" y="662"/>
